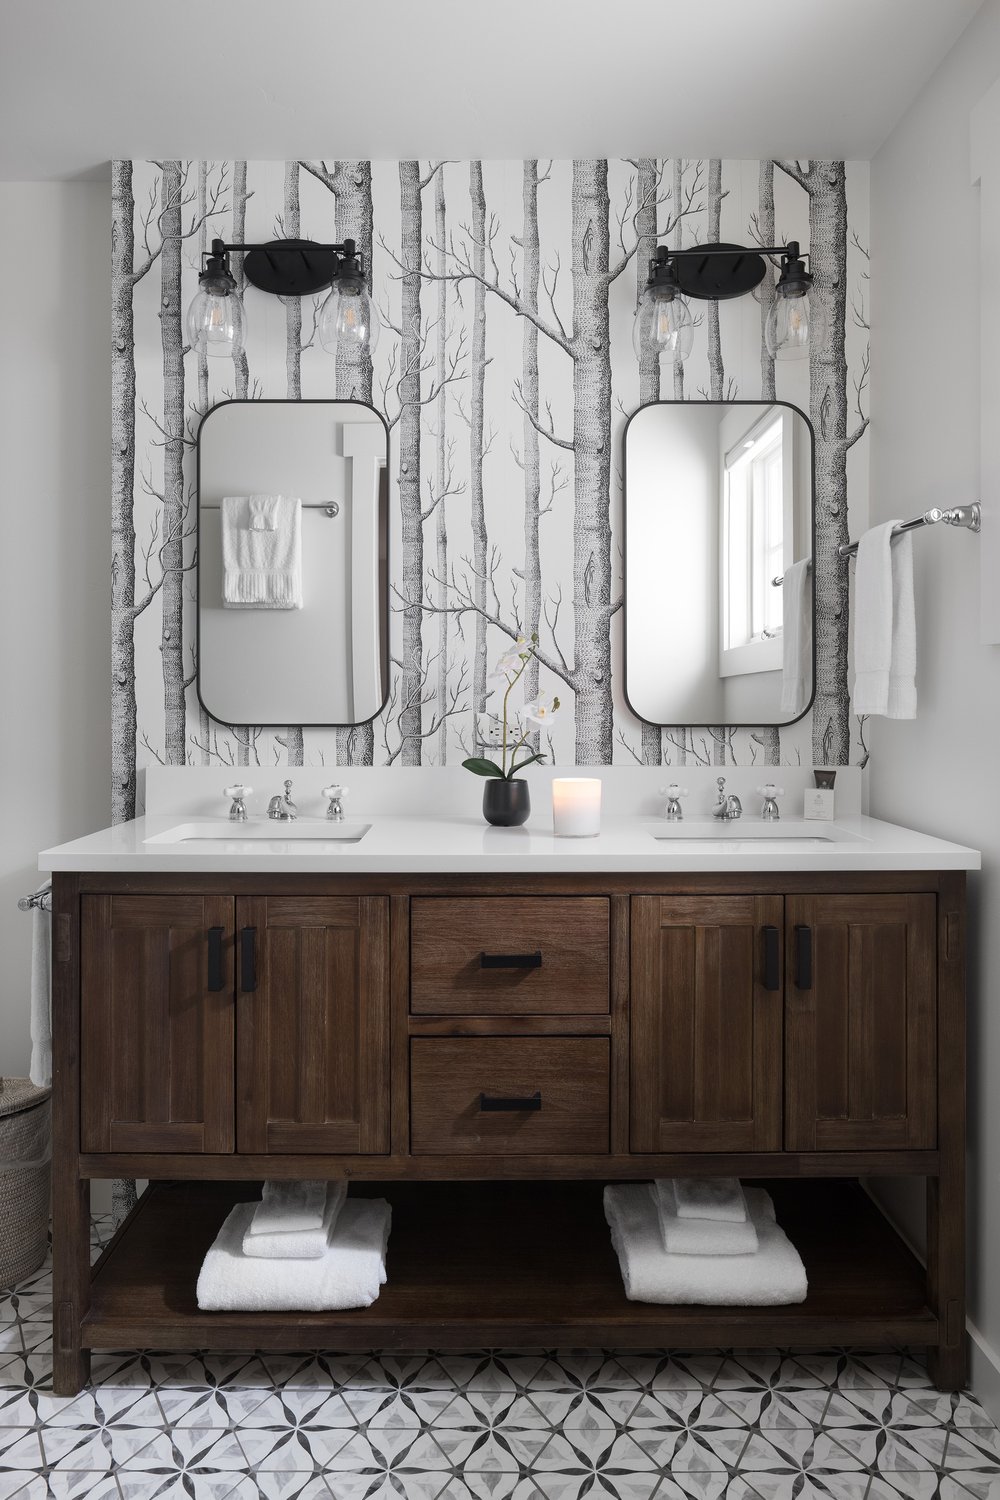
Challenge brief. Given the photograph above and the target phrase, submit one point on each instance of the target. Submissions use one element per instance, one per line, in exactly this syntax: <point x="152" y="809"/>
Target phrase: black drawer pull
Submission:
<point x="215" y="979"/>
<point x="489" y="1105"/>
<point x="511" y="960"/>
<point x="772" y="959"/>
<point x="803" y="958"/>
<point x="248" y="960"/>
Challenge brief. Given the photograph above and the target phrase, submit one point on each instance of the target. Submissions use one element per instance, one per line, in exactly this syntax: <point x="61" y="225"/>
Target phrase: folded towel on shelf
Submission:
<point x="773" y="1277"/>
<point x="284" y="1206"/>
<point x="885" y="636"/>
<point x="296" y="1244"/>
<point x="261" y="563"/>
<point x="350" y="1273"/>
<point x="701" y="1236"/>
<point x="796" y="637"/>
<point x="719" y="1198"/>
<point x="40" y="1067"/>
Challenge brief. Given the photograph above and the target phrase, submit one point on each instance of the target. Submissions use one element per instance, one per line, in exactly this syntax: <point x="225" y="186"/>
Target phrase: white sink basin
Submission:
<point x="779" y="835"/>
<point x="262" y="830"/>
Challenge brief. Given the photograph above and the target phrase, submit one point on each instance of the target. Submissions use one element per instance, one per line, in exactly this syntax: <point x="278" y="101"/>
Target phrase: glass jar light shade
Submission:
<point x="792" y="324"/>
<point x="216" y="322"/>
<point x="348" y="318"/>
<point x="663" y="325"/>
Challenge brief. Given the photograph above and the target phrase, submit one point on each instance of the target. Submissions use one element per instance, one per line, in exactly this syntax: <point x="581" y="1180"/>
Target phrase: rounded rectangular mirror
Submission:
<point x="292" y="564"/>
<point x="719" y="610"/>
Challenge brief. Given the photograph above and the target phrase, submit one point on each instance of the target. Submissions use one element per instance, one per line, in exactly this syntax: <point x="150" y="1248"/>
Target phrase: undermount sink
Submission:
<point x="263" y="830"/>
<point x="746" y="830"/>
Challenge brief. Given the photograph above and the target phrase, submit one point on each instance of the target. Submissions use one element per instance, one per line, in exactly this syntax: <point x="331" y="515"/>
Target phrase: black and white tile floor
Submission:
<point x="761" y="1425"/>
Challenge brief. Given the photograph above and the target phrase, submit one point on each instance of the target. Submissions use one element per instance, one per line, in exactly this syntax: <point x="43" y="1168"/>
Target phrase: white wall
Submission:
<point x="54" y="593"/>
<point x="939" y="773"/>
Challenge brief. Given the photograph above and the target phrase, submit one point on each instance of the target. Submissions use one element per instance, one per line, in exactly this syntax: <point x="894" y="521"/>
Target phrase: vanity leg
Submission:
<point x="70" y="1285"/>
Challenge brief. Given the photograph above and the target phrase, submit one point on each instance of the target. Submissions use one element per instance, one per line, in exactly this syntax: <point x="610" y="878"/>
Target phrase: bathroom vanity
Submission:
<point x="486" y="1027"/>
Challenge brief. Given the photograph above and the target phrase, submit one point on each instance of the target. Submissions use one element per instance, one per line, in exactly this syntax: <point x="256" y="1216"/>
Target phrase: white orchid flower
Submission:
<point x="542" y="710"/>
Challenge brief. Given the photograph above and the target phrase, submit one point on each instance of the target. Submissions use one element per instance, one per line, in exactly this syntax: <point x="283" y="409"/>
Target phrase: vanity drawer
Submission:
<point x="509" y="955"/>
<point x="518" y="1094"/>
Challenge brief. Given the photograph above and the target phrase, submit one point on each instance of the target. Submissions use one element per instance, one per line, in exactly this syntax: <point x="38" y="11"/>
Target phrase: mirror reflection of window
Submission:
<point x="756" y="527"/>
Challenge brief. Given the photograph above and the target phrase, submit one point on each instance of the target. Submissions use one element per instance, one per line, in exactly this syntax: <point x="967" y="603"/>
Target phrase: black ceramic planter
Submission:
<point x="506" y="804"/>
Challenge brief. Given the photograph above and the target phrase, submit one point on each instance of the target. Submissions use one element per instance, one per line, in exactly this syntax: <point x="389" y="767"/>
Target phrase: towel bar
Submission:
<point x="968" y="516"/>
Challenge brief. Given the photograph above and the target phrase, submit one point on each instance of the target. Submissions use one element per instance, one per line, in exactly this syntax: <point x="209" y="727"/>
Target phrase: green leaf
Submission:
<point x="480" y="767"/>
<point x="529" y="760"/>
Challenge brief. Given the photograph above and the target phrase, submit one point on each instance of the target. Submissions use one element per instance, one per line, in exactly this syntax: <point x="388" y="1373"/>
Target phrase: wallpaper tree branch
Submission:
<point x="505" y="373"/>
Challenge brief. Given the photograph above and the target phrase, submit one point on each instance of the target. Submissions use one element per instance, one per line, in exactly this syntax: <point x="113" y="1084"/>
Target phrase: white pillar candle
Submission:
<point x="576" y="807"/>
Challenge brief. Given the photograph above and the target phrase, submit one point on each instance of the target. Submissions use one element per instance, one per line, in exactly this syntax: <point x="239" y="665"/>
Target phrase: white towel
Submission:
<point x="287" y="1205"/>
<point x="885" y="637"/>
<point x="719" y="1198"/>
<point x="349" y="1274"/>
<point x="683" y="1236"/>
<point x="771" y="1278"/>
<point x="796" y="637"/>
<point x="40" y="1068"/>
<point x="261" y="563"/>
<point x="296" y="1244"/>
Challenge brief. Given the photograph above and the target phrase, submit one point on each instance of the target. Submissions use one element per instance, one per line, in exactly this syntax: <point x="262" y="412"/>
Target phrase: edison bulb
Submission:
<point x="348" y="318"/>
<point x="216" y="322"/>
<point x="791" y="325"/>
<point x="663" y="325"/>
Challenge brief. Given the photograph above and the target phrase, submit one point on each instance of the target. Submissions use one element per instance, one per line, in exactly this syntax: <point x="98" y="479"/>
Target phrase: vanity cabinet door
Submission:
<point x="706" y="1016"/>
<point x="312" y="1003"/>
<point x="860" y="1027"/>
<point x="156" y="1038"/>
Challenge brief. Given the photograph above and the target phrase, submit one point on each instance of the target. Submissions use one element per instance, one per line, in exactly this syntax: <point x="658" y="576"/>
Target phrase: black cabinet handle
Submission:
<point x="215" y="979"/>
<point x="248" y="960"/>
<point x="488" y="1105"/>
<point x="511" y="960"/>
<point x="772" y="959"/>
<point x="803" y="958"/>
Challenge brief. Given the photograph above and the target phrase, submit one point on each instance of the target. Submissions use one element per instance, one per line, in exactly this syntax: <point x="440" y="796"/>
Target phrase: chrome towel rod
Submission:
<point x="42" y="898"/>
<point x="777" y="582"/>
<point x="968" y="516"/>
<point x="328" y="507"/>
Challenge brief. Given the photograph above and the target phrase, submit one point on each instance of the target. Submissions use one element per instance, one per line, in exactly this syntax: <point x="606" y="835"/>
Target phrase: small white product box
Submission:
<point x="819" y="803"/>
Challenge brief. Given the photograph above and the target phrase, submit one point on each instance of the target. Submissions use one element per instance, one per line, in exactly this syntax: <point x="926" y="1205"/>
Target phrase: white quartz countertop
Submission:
<point x="466" y="845"/>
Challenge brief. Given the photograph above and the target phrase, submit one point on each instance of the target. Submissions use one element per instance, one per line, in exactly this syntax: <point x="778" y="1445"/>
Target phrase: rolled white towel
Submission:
<point x="720" y="1198"/>
<point x="297" y="1244"/>
<point x="40" y="1067"/>
<point x="349" y="1274"/>
<point x="289" y="1205"/>
<point x="773" y="1277"/>
<point x="701" y="1236"/>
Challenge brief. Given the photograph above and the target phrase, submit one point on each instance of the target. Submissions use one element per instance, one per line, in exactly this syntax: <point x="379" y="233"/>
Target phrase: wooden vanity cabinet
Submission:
<point x="489" y="1051"/>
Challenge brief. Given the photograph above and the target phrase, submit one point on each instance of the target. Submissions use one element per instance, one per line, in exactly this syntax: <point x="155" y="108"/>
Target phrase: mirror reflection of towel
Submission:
<point x="796" y="637"/>
<point x="261" y="565"/>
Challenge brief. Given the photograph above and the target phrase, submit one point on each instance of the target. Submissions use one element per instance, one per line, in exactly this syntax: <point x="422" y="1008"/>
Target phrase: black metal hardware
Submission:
<point x="248" y="960"/>
<point x="215" y="978"/>
<point x="511" y="960"/>
<point x="286" y="268"/>
<point x="490" y="1106"/>
<point x="772" y="958"/>
<point x="803" y="958"/>
<point x="718" y="271"/>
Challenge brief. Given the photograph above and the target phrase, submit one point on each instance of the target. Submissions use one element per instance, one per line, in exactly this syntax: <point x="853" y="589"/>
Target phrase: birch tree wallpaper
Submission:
<point x="505" y="372"/>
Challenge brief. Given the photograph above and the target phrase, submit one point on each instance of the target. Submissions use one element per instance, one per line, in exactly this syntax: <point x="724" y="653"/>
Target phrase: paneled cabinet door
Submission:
<point x="312" y="1002"/>
<point x="706" y="1023"/>
<point x="860" y="1027"/>
<point x="156" y="1037"/>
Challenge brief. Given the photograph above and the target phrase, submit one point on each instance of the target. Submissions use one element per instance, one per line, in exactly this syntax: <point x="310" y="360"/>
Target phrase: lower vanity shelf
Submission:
<point x="525" y="1264"/>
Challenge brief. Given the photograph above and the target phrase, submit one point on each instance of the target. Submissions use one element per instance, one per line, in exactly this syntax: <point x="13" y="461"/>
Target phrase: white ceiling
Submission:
<point x="83" y="81"/>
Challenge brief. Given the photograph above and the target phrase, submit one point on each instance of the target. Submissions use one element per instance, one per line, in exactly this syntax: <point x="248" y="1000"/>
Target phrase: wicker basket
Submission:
<point x="25" y="1177"/>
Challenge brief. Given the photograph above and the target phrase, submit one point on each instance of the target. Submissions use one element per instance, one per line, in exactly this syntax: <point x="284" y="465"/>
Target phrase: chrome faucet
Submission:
<point x="727" y="808"/>
<point x="238" y="811"/>
<point x="673" y="812"/>
<point x="770" y="793"/>
<point x="283" y="809"/>
<point x="336" y="795"/>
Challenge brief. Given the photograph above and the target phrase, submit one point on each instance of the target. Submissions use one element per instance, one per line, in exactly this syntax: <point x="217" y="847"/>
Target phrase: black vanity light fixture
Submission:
<point x="216" y="319"/>
<point x="663" y="323"/>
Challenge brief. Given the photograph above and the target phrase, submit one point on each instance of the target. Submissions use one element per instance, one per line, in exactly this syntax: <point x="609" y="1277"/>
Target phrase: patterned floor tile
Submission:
<point x="135" y="1484"/>
<point x="277" y="1486"/>
<point x="973" y="1448"/>
<point x="104" y="1450"/>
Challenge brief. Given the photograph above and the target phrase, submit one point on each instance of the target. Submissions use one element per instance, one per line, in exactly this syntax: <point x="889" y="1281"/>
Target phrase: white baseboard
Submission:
<point x="984" y="1375"/>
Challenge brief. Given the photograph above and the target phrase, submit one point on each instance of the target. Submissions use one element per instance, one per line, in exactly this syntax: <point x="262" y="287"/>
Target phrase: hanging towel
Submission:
<point x="885" y="637"/>
<point x="349" y="1274"/>
<point x="296" y="1244"/>
<point x="261" y="564"/>
<point x="40" y="1068"/>
<point x="771" y="1278"/>
<point x="719" y="1198"/>
<point x="681" y="1236"/>
<point x="796" y="637"/>
<point x="288" y="1205"/>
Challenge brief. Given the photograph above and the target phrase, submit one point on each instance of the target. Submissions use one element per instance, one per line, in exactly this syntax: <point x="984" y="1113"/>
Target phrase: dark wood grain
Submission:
<point x="705" y="1033"/>
<point x="861" y="1043"/>
<point x="447" y="1078"/>
<point x="448" y="937"/>
<point x="946" y="1233"/>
